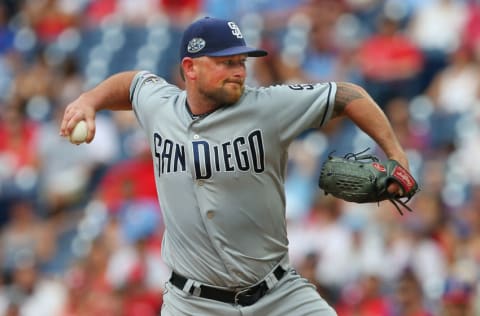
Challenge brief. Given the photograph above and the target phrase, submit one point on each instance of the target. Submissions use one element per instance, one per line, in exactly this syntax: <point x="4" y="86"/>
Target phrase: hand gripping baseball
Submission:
<point x="78" y="123"/>
<point x="364" y="179"/>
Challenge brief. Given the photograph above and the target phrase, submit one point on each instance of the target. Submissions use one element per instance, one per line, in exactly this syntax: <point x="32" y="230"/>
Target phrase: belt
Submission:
<point x="244" y="297"/>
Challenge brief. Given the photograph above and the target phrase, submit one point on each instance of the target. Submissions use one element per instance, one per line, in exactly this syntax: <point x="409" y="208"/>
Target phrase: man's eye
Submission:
<point x="233" y="62"/>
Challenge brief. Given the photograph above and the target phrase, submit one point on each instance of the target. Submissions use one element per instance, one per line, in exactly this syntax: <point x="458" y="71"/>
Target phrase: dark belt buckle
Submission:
<point x="250" y="295"/>
<point x="246" y="297"/>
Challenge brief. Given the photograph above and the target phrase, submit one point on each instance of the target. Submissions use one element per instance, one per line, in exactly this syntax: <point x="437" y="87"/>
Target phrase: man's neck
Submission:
<point x="200" y="105"/>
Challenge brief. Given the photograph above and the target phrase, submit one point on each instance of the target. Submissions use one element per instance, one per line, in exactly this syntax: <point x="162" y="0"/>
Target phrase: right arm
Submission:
<point x="111" y="94"/>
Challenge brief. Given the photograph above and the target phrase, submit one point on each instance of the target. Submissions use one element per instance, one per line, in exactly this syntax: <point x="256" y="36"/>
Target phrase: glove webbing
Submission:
<point x="402" y="203"/>
<point x="359" y="156"/>
<point x="396" y="200"/>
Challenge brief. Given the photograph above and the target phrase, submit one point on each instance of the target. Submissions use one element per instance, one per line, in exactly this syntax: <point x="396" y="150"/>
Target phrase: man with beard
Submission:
<point x="220" y="152"/>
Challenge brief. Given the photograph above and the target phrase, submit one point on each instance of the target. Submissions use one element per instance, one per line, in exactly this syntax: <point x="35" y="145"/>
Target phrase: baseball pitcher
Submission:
<point x="220" y="151"/>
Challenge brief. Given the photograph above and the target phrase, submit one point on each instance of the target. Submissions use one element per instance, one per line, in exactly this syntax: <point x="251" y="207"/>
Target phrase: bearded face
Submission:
<point x="227" y="93"/>
<point x="221" y="79"/>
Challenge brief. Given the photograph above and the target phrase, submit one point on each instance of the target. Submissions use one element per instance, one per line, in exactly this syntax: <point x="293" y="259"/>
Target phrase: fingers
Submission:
<point x="74" y="113"/>
<point x="69" y="121"/>
<point x="91" y="129"/>
<point x="395" y="189"/>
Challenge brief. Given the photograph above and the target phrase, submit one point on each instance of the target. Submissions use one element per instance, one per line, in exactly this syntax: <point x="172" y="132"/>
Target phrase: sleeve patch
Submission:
<point x="151" y="78"/>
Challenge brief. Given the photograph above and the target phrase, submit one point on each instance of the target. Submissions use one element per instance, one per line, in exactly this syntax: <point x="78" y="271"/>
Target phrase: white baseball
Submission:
<point x="79" y="133"/>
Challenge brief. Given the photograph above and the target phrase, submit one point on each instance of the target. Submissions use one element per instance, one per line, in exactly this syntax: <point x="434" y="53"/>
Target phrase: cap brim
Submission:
<point x="238" y="50"/>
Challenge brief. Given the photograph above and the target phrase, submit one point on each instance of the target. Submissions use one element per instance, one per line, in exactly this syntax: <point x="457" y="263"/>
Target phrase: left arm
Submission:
<point x="354" y="102"/>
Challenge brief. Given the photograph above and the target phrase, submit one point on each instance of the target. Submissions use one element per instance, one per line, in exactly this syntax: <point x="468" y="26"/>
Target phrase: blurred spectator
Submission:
<point x="48" y="19"/>
<point x="457" y="299"/>
<point x="89" y="291"/>
<point x="132" y="139"/>
<point x="268" y="70"/>
<point x="310" y="52"/>
<point x="19" y="165"/>
<point x="367" y="11"/>
<point x="30" y="293"/>
<point x="97" y="11"/>
<point x="138" y="271"/>
<point x="457" y="87"/>
<point x="454" y="91"/>
<point x="137" y="12"/>
<point x="413" y="245"/>
<point x="471" y="32"/>
<point x="433" y="175"/>
<point x="128" y="180"/>
<point x="300" y="186"/>
<point x="18" y="138"/>
<point x="394" y="254"/>
<point x="6" y="33"/>
<point x="27" y="85"/>
<point x="364" y="298"/>
<point x="68" y="81"/>
<point x="411" y="135"/>
<point x="408" y="297"/>
<point x="26" y="235"/>
<point x="432" y="214"/>
<point x="435" y="27"/>
<point x="322" y="58"/>
<point x="467" y="146"/>
<point x="181" y="12"/>
<point x="389" y="62"/>
<point x="322" y="233"/>
<point x="428" y="262"/>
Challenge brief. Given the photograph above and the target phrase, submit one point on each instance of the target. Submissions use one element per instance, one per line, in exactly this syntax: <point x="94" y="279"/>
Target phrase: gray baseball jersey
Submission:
<point x="220" y="177"/>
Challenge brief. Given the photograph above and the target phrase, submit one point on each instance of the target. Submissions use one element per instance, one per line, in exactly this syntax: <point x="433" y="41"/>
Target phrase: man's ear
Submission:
<point x="188" y="69"/>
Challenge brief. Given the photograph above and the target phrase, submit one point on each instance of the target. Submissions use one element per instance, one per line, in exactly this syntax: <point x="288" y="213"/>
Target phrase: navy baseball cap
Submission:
<point x="215" y="37"/>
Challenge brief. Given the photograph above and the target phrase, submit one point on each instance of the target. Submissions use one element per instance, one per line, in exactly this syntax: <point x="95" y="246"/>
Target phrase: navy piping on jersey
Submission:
<point x="328" y="103"/>
<point x="130" y="97"/>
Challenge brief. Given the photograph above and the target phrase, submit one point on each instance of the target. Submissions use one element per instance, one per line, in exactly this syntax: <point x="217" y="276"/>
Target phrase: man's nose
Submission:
<point x="240" y="71"/>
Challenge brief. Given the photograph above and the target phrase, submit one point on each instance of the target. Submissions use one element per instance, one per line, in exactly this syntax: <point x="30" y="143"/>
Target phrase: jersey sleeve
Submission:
<point x="146" y="90"/>
<point x="296" y="108"/>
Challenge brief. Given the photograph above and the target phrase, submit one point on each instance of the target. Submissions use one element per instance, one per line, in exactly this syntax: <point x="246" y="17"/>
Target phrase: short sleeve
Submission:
<point x="296" y="108"/>
<point x="146" y="90"/>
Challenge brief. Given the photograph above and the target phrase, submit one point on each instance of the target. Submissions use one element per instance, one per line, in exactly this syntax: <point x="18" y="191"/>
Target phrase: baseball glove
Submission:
<point x="364" y="179"/>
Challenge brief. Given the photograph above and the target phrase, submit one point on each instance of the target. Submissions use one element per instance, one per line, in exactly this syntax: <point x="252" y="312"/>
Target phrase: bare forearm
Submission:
<point x="355" y="103"/>
<point x="111" y="94"/>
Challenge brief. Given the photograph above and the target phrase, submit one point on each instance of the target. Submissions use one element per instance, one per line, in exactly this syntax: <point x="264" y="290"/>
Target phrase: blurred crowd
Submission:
<point x="81" y="227"/>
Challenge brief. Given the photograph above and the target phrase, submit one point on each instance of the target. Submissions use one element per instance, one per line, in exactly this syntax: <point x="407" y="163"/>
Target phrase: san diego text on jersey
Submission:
<point x="239" y="154"/>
